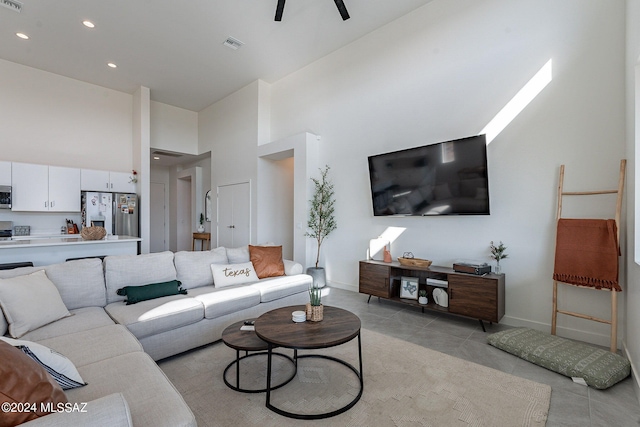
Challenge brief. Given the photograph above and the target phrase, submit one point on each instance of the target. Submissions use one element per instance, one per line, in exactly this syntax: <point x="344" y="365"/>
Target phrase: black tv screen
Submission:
<point x="447" y="178"/>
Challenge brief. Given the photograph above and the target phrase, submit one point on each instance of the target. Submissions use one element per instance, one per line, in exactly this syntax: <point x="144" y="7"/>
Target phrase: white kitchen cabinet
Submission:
<point x="121" y="182"/>
<point x="64" y="189"/>
<point x="42" y="188"/>
<point x="94" y="180"/>
<point x="112" y="182"/>
<point x="5" y="173"/>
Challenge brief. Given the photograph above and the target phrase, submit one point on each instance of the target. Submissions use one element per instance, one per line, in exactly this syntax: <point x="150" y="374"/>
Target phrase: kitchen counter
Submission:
<point x="51" y="250"/>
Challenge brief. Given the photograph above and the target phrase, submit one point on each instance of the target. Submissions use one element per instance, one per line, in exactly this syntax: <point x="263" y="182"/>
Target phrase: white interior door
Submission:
<point x="234" y="215"/>
<point x="157" y="242"/>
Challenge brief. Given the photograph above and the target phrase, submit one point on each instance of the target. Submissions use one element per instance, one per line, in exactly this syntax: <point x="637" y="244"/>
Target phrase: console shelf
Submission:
<point x="478" y="297"/>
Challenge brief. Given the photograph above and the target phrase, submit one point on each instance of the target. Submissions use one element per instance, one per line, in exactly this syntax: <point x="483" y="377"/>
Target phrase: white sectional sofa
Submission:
<point x="114" y="345"/>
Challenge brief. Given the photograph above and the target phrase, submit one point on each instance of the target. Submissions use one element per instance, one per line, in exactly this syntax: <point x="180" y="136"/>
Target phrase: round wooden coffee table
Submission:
<point x="338" y="327"/>
<point x="233" y="336"/>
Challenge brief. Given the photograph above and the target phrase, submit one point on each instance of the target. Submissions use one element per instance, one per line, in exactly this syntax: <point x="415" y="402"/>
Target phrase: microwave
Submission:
<point x="5" y="197"/>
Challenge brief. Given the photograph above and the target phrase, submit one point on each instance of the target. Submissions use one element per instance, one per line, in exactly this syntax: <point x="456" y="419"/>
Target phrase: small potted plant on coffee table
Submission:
<point x="314" y="306"/>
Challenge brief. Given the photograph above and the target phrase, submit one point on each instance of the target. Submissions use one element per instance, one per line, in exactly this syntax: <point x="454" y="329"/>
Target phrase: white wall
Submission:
<point x="229" y="129"/>
<point x="632" y="290"/>
<point x="55" y="120"/>
<point x="174" y="129"/>
<point x="443" y="72"/>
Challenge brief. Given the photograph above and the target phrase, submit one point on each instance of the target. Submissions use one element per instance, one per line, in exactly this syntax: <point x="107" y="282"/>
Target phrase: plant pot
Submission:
<point x="319" y="276"/>
<point x="315" y="313"/>
<point x="201" y="229"/>
<point x="423" y="300"/>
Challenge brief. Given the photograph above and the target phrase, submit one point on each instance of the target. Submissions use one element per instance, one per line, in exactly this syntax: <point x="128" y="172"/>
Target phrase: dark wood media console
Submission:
<point x="479" y="297"/>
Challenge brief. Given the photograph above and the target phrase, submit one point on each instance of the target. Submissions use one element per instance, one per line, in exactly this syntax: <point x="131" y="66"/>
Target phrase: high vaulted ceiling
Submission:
<point x="175" y="48"/>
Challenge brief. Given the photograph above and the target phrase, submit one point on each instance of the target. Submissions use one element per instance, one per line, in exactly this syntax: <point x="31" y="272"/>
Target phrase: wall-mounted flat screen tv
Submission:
<point x="447" y="178"/>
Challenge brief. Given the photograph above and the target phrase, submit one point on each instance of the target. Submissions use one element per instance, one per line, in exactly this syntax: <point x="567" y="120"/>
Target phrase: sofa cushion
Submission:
<point x="111" y="410"/>
<point x="275" y="288"/>
<point x="22" y="380"/>
<point x="194" y="268"/>
<point x="291" y="268"/>
<point x="267" y="260"/>
<point x="83" y="319"/>
<point x="157" y="315"/>
<point x="238" y="255"/>
<point x="56" y="364"/>
<point x="80" y="283"/>
<point x="136" y="294"/>
<point x="4" y="326"/>
<point x="153" y="400"/>
<point x="220" y="302"/>
<point x="136" y="270"/>
<point x="29" y="302"/>
<point x="233" y="274"/>
<point x="86" y="347"/>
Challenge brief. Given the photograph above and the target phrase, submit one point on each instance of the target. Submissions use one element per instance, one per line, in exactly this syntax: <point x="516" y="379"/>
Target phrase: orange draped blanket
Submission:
<point x="587" y="253"/>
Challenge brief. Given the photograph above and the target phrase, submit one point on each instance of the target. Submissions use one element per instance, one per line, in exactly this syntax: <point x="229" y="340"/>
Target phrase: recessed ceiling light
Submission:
<point x="88" y="24"/>
<point x="22" y="36"/>
<point x="112" y="65"/>
<point x="156" y="158"/>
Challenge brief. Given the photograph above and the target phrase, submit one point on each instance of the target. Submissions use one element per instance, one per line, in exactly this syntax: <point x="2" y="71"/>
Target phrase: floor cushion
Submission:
<point x="597" y="367"/>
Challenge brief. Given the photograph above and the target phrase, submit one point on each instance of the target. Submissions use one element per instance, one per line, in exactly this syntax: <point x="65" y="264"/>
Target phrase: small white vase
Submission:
<point x="423" y="300"/>
<point x="201" y="229"/>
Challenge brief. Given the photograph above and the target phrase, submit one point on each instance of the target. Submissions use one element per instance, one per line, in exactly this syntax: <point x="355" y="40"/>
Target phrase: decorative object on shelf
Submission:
<point x="93" y="233"/>
<point x="321" y="220"/>
<point x="441" y="297"/>
<point x="387" y="255"/>
<point x="314" y="307"/>
<point x="498" y="253"/>
<point x="377" y="247"/>
<point x="408" y="259"/>
<point x="201" y="226"/>
<point x="422" y="297"/>
<point x="409" y="287"/>
<point x="134" y="178"/>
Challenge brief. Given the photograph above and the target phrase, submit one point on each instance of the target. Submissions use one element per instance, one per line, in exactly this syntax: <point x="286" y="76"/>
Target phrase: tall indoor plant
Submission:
<point x="321" y="220"/>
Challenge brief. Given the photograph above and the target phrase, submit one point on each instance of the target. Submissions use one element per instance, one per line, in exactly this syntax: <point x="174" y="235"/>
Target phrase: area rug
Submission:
<point x="404" y="385"/>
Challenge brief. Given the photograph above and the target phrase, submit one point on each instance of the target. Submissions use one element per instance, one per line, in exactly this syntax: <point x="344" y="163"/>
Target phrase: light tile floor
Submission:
<point x="571" y="404"/>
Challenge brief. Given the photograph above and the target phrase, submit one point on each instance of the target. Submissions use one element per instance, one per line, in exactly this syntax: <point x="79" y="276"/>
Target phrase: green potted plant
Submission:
<point x="498" y="253"/>
<point x="321" y="221"/>
<point x="422" y="297"/>
<point x="314" y="306"/>
<point x="201" y="226"/>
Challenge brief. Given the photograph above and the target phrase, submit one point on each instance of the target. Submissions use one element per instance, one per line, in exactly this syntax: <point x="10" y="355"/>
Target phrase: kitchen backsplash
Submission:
<point x="41" y="223"/>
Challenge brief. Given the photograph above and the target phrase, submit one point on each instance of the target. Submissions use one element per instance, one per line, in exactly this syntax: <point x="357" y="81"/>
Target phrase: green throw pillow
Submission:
<point x="136" y="294"/>
<point x="598" y="368"/>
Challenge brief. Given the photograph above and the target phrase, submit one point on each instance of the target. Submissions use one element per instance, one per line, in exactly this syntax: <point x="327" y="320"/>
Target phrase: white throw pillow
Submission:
<point x="238" y="255"/>
<point x="29" y="302"/>
<point x="233" y="274"/>
<point x="57" y="365"/>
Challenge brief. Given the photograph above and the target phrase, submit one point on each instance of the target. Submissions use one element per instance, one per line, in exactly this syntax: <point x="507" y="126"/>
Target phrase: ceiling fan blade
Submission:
<point x="343" y="10"/>
<point x="279" y="10"/>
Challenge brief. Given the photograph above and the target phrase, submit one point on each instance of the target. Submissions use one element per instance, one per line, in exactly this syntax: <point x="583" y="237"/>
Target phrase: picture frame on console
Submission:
<point x="409" y="287"/>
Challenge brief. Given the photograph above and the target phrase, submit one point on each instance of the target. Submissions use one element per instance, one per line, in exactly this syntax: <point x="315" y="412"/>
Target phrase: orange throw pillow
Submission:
<point x="25" y="384"/>
<point x="267" y="260"/>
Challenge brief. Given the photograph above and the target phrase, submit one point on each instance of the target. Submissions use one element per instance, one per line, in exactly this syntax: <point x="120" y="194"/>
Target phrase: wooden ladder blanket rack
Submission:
<point x="614" y="300"/>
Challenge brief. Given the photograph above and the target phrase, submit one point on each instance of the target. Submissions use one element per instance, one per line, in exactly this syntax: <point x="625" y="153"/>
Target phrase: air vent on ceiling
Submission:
<point x="165" y="153"/>
<point x="14" y="5"/>
<point x="233" y="43"/>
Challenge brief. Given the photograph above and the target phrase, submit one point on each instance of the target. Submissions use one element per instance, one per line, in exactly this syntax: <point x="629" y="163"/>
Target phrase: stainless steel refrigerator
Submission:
<point x="125" y="214"/>
<point x="116" y="212"/>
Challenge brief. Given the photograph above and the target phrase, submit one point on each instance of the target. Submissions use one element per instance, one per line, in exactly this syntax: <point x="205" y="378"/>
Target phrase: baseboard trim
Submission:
<point x="345" y="286"/>
<point x="586" y="336"/>
<point x="634" y="372"/>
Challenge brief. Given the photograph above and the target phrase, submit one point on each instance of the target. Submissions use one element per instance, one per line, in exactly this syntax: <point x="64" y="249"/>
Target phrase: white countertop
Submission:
<point x="34" y="241"/>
